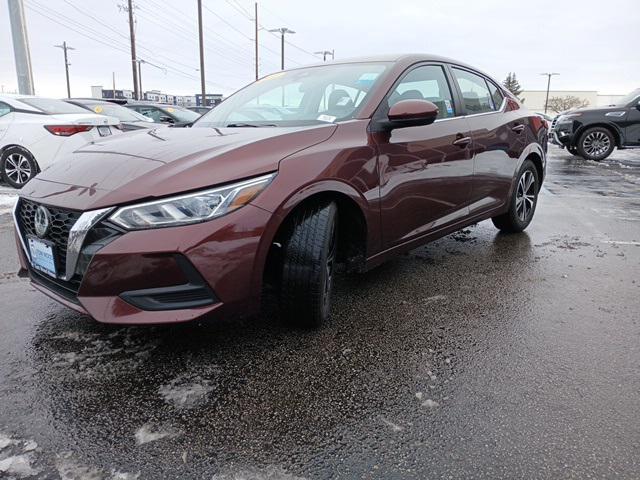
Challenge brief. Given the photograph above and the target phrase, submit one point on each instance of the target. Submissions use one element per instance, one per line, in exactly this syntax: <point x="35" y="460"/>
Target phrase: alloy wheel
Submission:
<point x="596" y="144"/>
<point x="525" y="195"/>
<point x="18" y="168"/>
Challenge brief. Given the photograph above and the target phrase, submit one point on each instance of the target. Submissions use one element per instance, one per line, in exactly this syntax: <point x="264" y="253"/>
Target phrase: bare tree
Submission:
<point x="569" y="102"/>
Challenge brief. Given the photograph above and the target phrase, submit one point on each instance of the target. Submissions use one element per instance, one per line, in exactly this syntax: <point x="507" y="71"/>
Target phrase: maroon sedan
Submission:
<point x="350" y="162"/>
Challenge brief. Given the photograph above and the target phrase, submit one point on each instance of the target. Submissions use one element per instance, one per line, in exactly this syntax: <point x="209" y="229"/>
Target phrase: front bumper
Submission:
<point x="168" y="275"/>
<point x="562" y="134"/>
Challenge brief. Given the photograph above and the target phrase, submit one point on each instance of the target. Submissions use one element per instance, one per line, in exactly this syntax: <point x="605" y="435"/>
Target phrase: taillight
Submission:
<point x="67" y="130"/>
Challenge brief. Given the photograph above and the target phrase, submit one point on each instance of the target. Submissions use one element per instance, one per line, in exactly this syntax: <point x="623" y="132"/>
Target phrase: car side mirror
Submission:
<point x="411" y="113"/>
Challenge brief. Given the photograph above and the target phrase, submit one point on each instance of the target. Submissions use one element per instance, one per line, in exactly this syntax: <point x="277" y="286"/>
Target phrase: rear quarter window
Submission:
<point x="52" y="106"/>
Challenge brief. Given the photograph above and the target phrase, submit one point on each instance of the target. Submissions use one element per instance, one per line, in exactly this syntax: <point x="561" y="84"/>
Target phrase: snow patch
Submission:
<point x="19" y="465"/>
<point x="185" y="392"/>
<point x="430" y="403"/>
<point x="393" y="426"/>
<point x="148" y="433"/>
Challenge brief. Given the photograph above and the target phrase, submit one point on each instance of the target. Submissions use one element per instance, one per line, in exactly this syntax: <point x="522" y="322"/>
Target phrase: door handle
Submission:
<point x="518" y="128"/>
<point x="462" y="142"/>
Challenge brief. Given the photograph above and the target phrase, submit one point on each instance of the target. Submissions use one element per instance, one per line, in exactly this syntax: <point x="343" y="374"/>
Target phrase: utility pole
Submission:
<point x="66" y="47"/>
<point x="21" y="47"/>
<point x="132" y="34"/>
<point x="113" y="77"/>
<point x="325" y="53"/>
<point x="256" y="37"/>
<point x="202" y="84"/>
<point x="548" y="75"/>
<point x="140" y="62"/>
<point x="283" y="31"/>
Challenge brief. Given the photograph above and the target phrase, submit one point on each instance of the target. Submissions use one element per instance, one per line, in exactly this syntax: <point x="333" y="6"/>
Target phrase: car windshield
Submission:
<point x="182" y="114"/>
<point x="627" y="99"/>
<point x="121" y="113"/>
<point x="52" y="106"/>
<point x="305" y="96"/>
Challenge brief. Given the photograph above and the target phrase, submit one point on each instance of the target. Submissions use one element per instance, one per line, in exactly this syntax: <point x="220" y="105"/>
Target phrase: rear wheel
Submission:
<point x="308" y="266"/>
<point x="17" y="166"/>
<point x="523" y="201"/>
<point x="596" y="144"/>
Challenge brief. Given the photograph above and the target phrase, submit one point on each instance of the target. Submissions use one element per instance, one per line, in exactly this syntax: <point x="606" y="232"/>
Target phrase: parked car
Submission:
<point x="594" y="132"/>
<point x="129" y="119"/>
<point x="34" y="131"/>
<point x="199" y="110"/>
<point x="170" y="114"/>
<point x="371" y="158"/>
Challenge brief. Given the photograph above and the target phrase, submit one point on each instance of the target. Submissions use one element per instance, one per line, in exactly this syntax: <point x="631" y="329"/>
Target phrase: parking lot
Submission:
<point x="481" y="355"/>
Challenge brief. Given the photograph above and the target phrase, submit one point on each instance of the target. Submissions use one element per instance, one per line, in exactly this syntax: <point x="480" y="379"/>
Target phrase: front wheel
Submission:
<point x="596" y="144"/>
<point x="18" y="166"/>
<point x="308" y="265"/>
<point x="523" y="201"/>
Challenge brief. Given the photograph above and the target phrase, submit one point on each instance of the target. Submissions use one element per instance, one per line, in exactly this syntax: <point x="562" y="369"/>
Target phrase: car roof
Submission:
<point x="89" y="101"/>
<point x="153" y="104"/>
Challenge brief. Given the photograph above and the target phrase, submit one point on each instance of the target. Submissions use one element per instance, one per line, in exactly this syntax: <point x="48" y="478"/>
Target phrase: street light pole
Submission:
<point x="549" y="75"/>
<point x="325" y="53"/>
<point x="66" y="47"/>
<point x="283" y="31"/>
<point x="256" y="39"/>
<point x="202" y="83"/>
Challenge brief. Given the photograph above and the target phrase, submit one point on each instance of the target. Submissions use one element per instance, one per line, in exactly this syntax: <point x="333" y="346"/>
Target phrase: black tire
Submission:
<point x="524" y="195"/>
<point x="596" y="143"/>
<point x="17" y="166"/>
<point x="308" y="266"/>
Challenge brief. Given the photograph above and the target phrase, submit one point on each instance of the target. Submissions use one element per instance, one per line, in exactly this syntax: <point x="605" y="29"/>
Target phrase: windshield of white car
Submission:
<point x="52" y="106"/>
<point x="305" y="96"/>
<point x="182" y="114"/>
<point x="121" y="113"/>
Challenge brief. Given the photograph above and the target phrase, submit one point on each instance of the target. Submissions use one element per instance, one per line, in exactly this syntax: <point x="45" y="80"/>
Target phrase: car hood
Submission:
<point x="610" y="108"/>
<point x="147" y="164"/>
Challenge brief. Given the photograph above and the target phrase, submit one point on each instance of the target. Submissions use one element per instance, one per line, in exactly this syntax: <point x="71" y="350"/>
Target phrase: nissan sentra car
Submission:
<point x="344" y="163"/>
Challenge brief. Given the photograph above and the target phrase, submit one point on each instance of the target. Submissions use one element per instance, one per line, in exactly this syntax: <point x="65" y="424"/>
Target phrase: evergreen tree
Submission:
<point x="511" y="83"/>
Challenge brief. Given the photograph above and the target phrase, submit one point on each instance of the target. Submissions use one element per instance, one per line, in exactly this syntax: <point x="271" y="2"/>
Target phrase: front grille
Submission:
<point x="61" y="222"/>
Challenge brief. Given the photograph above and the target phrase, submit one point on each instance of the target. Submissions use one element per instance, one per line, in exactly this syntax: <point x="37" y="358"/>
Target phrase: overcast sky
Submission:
<point x="594" y="45"/>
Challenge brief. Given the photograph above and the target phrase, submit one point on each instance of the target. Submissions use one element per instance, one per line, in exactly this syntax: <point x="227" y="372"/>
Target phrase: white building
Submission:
<point x="534" y="99"/>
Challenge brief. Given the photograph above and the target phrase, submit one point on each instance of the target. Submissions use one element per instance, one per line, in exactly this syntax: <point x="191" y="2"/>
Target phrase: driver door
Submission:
<point x="426" y="172"/>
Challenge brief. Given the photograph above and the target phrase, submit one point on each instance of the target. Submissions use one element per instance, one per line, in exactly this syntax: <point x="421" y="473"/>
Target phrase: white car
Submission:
<point x="34" y="131"/>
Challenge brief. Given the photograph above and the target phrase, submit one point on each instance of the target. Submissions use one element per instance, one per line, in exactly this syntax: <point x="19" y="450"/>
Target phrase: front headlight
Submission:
<point x="191" y="208"/>
<point x="568" y="117"/>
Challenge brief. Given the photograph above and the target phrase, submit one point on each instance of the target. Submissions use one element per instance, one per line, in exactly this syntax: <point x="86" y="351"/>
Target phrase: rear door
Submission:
<point x="499" y="138"/>
<point x="425" y="171"/>
<point x="5" y="118"/>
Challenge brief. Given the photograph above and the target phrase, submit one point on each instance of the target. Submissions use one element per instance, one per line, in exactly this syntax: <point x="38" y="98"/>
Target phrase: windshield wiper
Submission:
<point x="234" y="125"/>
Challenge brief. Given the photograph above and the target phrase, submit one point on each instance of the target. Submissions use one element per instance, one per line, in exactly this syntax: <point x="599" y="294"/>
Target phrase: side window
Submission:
<point x="475" y="94"/>
<point x="426" y="83"/>
<point x="496" y="95"/>
<point x="4" y="109"/>
<point x="151" y="112"/>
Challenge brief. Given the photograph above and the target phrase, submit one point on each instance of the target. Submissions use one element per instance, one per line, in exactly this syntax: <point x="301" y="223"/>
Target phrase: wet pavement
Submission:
<point x="478" y="356"/>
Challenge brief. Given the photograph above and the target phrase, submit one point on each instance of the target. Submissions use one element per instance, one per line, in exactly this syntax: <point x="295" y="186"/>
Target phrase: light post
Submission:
<point x="283" y="31"/>
<point x="549" y="75"/>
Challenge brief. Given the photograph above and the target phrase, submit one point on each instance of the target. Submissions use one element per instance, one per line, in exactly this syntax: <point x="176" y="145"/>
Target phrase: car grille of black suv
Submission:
<point x="61" y="222"/>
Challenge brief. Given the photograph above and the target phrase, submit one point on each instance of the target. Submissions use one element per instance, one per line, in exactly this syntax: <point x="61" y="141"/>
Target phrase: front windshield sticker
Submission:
<point x="367" y="79"/>
<point x="449" y="107"/>
<point x="171" y="110"/>
<point x="97" y="109"/>
<point x="326" y="118"/>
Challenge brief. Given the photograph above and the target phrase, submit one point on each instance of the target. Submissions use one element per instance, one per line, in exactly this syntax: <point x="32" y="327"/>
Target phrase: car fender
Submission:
<point x="620" y="139"/>
<point x="528" y="150"/>
<point x="281" y="213"/>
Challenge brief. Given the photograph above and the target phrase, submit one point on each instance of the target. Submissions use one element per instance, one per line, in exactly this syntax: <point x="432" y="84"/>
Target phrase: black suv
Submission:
<point x="594" y="132"/>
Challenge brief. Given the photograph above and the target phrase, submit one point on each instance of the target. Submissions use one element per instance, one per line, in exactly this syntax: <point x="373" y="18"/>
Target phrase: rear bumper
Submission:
<point x="169" y="275"/>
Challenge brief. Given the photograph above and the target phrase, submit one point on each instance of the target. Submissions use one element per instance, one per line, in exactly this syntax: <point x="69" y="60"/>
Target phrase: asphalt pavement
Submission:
<point x="481" y="355"/>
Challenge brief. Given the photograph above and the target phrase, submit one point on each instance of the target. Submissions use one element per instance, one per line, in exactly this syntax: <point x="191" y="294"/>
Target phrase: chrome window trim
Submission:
<point x="77" y="235"/>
